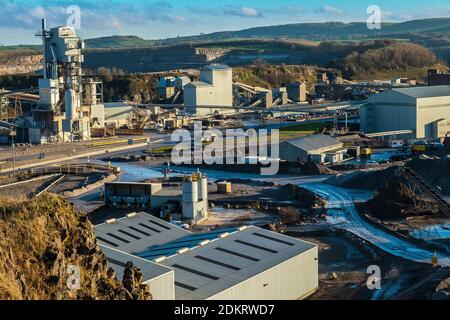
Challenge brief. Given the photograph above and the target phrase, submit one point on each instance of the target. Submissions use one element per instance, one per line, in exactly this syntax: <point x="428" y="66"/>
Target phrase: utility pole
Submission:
<point x="346" y="121"/>
<point x="13" y="134"/>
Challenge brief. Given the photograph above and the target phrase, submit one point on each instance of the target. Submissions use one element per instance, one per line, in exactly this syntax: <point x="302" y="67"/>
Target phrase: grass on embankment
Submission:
<point x="302" y="129"/>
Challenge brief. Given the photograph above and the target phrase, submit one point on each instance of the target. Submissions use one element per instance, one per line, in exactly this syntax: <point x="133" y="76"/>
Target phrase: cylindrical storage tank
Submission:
<point x="93" y="93"/>
<point x="71" y="105"/>
<point x="190" y="191"/>
<point x="203" y="188"/>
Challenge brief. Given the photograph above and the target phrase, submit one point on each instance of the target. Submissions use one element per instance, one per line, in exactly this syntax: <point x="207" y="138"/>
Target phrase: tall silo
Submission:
<point x="190" y="198"/>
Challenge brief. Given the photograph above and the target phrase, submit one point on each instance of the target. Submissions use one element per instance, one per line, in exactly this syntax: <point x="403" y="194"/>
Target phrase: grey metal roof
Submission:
<point x="117" y="110"/>
<point x="171" y="248"/>
<point x="131" y="183"/>
<point x="315" y="142"/>
<point x="168" y="193"/>
<point x="117" y="260"/>
<point x="217" y="67"/>
<point x="199" y="84"/>
<point x="425" y="92"/>
<point x="218" y="262"/>
<point x="207" y="270"/>
<point x="137" y="233"/>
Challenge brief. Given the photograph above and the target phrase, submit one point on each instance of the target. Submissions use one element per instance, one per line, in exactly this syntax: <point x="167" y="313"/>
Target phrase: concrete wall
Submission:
<point x="296" y="278"/>
<point x="219" y="92"/>
<point x="389" y="111"/>
<point x="158" y="201"/>
<point x="223" y="85"/>
<point x="98" y="116"/>
<point x="291" y="153"/>
<point x="431" y="111"/>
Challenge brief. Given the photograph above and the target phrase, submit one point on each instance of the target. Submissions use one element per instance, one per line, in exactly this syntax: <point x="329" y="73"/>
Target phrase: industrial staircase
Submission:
<point x="427" y="188"/>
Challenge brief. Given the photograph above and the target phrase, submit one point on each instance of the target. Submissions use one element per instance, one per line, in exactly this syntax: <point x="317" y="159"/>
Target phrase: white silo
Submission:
<point x="203" y="184"/>
<point x="71" y="104"/>
<point x="190" y="198"/>
<point x="190" y="190"/>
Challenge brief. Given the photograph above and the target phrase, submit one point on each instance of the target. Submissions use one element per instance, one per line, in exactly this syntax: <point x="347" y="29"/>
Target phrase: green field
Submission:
<point x="305" y="127"/>
<point x="301" y="130"/>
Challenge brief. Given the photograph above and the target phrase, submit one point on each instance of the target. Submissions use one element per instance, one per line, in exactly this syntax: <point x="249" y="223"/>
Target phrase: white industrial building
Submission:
<point x="192" y="198"/>
<point x="423" y="110"/>
<point x="158" y="277"/>
<point x="247" y="263"/>
<point x="215" y="89"/>
<point x="117" y="113"/>
<point x="318" y="148"/>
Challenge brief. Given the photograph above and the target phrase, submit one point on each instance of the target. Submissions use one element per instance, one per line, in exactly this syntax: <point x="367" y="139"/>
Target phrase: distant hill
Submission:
<point x="433" y="34"/>
<point x="326" y="31"/>
<point x="302" y="43"/>
<point x="308" y="31"/>
<point x="117" y="42"/>
<point x="20" y="48"/>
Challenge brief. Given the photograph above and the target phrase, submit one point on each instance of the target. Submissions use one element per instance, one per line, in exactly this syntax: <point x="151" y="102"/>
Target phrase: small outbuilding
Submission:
<point x="315" y="148"/>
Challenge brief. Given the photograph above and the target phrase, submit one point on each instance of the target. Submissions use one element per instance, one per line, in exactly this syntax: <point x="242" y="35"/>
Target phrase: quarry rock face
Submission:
<point x="20" y="64"/>
<point x="46" y="245"/>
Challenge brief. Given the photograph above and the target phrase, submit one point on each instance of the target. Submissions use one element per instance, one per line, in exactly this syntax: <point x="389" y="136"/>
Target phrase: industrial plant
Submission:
<point x="156" y="183"/>
<point x="62" y="112"/>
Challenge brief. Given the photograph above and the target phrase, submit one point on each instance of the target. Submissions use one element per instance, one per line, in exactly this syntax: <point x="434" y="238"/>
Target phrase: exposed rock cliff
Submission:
<point x="43" y="242"/>
<point x="20" y="64"/>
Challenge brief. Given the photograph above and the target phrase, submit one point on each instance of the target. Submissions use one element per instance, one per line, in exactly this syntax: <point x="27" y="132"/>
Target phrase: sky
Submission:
<point x="160" y="19"/>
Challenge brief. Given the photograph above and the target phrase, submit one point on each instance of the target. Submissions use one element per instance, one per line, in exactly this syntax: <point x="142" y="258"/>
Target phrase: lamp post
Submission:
<point x="13" y="134"/>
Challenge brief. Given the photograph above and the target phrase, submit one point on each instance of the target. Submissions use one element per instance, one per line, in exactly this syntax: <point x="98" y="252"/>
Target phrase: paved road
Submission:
<point x="341" y="210"/>
<point x="77" y="156"/>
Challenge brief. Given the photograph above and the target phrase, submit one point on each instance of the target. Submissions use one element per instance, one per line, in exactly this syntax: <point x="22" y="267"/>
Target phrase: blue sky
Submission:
<point x="158" y="19"/>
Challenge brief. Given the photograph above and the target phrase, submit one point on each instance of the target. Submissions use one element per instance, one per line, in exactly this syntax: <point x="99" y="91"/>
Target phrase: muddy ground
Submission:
<point x="25" y="190"/>
<point x="28" y="189"/>
<point x="73" y="182"/>
<point x="434" y="170"/>
<point x="343" y="273"/>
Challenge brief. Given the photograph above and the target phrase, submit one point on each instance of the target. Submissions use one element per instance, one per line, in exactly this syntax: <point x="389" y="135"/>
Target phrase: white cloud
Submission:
<point x="177" y="19"/>
<point x="249" y="12"/>
<point x="114" y="23"/>
<point x="38" y="12"/>
<point x="245" y="12"/>
<point x="329" y="10"/>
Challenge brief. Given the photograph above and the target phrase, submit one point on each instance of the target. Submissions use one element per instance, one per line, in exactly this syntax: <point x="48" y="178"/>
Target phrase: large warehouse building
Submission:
<point x="423" y="110"/>
<point x="214" y="89"/>
<point x="246" y="263"/>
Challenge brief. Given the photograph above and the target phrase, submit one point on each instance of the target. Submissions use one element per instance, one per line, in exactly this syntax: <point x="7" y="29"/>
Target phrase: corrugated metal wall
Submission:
<point x="293" y="279"/>
<point x="162" y="288"/>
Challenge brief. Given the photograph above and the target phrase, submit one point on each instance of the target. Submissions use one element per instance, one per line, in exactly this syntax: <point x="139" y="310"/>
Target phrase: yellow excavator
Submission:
<point x="366" y="152"/>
